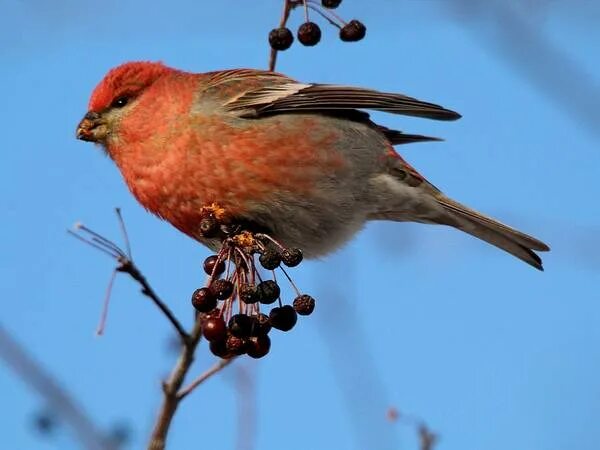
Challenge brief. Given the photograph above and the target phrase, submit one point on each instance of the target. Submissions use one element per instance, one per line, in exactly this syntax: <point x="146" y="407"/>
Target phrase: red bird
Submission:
<point x="299" y="160"/>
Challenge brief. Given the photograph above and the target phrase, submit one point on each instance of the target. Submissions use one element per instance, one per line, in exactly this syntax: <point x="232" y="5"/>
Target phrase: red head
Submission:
<point x="115" y="95"/>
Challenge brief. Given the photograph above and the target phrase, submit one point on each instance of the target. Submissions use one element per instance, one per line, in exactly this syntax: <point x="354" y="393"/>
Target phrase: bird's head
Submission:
<point x="115" y="97"/>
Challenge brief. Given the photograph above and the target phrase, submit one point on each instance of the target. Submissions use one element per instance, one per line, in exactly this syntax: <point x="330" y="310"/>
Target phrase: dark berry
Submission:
<point x="219" y="348"/>
<point x="291" y="257"/>
<point x="204" y="300"/>
<point x="270" y="259"/>
<point x="249" y="293"/>
<point x="268" y="291"/>
<point x="258" y="347"/>
<point x="309" y="34"/>
<point x="209" y="265"/>
<point x="283" y="318"/>
<point x="260" y="325"/>
<point x="236" y="345"/>
<point x="331" y="3"/>
<point x="214" y="329"/>
<point x="353" y="31"/>
<point x="221" y="289"/>
<point x="281" y="38"/>
<point x="240" y="325"/>
<point x="209" y="227"/>
<point x="304" y="305"/>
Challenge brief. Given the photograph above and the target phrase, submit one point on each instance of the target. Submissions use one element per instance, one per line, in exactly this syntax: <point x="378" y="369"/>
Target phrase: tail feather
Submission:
<point x="502" y="236"/>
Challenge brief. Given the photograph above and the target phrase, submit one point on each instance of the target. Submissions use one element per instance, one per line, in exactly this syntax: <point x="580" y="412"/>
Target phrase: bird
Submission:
<point x="302" y="161"/>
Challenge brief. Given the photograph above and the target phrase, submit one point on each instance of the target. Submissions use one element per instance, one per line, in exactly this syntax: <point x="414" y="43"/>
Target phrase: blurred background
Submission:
<point x="426" y="321"/>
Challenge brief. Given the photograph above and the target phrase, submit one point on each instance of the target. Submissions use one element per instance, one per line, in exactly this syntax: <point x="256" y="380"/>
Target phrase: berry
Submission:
<point x="309" y="34"/>
<point x="204" y="300"/>
<point x="281" y="38"/>
<point x="249" y="293"/>
<point x="304" y="305"/>
<point x="291" y="257"/>
<point x="260" y="325"/>
<point x="268" y="291"/>
<point x="214" y="329"/>
<point x="331" y="4"/>
<point x="353" y="31"/>
<point x="270" y="259"/>
<point x="283" y="318"/>
<point x="258" y="347"/>
<point x="221" y="289"/>
<point x="240" y="325"/>
<point x="209" y="227"/>
<point x="219" y="348"/>
<point x="209" y="265"/>
<point x="236" y="345"/>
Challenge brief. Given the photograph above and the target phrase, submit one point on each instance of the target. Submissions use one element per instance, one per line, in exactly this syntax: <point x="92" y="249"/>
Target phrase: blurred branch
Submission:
<point x="57" y="397"/>
<point x="529" y="50"/>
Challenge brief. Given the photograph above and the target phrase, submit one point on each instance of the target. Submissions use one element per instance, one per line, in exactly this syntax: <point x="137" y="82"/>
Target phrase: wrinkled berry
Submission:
<point x="236" y="345"/>
<point x="240" y="325"/>
<point x="258" y="347"/>
<point x="204" y="300"/>
<point x="214" y="329"/>
<point x="221" y="289"/>
<point x="268" y="291"/>
<point x="283" y="318"/>
<point x="304" y="305"/>
<point x="353" y="31"/>
<point x="270" y="259"/>
<point x="309" y="34"/>
<point x="209" y="227"/>
<point x="260" y="325"/>
<point x="331" y="3"/>
<point x="219" y="348"/>
<point x="249" y="293"/>
<point x="291" y="257"/>
<point x="281" y="38"/>
<point x="209" y="265"/>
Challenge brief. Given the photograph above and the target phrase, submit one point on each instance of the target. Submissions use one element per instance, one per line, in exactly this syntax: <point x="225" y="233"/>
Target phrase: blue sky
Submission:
<point x="491" y="353"/>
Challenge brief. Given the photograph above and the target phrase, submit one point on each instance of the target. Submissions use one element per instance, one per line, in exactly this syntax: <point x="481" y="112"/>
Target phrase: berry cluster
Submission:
<point x="231" y="301"/>
<point x="309" y="33"/>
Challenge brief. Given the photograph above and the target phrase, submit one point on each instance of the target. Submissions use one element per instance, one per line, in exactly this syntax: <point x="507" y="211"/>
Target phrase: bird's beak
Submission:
<point x="90" y="129"/>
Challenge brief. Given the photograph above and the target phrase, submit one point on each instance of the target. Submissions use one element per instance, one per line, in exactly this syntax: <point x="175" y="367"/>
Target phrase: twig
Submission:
<point x="56" y="396"/>
<point x="288" y="5"/>
<point x="171" y="387"/>
<point x="221" y="364"/>
<point x="173" y="393"/>
<point x="127" y="266"/>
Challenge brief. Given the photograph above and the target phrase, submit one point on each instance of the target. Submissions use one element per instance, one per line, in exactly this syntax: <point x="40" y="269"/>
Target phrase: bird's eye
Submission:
<point x="119" y="102"/>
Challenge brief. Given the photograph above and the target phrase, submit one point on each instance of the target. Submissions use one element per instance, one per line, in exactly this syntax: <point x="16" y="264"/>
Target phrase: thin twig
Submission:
<point x="288" y="5"/>
<point x="57" y="397"/>
<point x="127" y="266"/>
<point x="218" y="366"/>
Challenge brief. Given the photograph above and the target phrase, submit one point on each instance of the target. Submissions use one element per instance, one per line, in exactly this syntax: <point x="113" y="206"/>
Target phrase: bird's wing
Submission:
<point x="286" y="95"/>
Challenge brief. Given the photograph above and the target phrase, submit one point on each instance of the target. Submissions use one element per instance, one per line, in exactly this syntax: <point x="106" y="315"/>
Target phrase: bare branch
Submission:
<point x="221" y="364"/>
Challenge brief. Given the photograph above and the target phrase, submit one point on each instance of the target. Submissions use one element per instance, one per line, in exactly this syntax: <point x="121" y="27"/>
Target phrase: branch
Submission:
<point x="219" y="365"/>
<point x="127" y="266"/>
<point x="172" y="387"/>
<point x="56" y="396"/>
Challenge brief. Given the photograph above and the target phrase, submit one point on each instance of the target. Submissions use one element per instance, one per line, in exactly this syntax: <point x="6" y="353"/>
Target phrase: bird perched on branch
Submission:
<point x="300" y="161"/>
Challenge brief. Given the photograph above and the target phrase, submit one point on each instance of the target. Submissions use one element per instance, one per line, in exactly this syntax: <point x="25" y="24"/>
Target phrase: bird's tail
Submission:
<point x="502" y="236"/>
